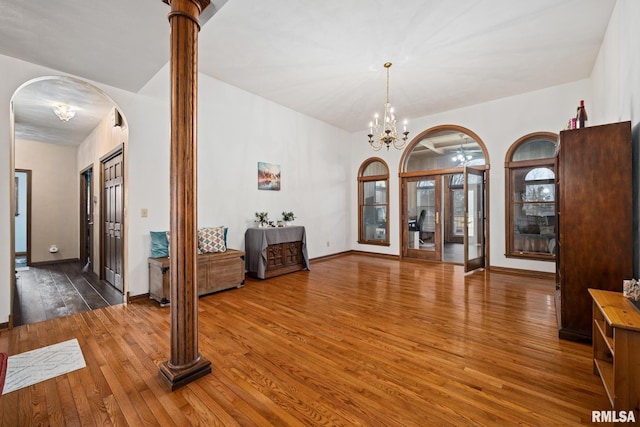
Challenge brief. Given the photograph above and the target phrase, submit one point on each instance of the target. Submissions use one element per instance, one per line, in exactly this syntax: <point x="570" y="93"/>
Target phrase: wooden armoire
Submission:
<point x="594" y="224"/>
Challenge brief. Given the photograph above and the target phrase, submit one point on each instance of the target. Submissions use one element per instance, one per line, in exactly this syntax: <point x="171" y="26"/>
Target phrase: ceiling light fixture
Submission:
<point x="385" y="132"/>
<point x="64" y="112"/>
<point x="461" y="156"/>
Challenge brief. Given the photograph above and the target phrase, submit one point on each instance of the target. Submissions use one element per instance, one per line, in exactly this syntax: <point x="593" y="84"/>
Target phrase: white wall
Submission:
<point x="236" y="130"/>
<point x="54" y="198"/>
<point x="498" y="124"/>
<point x="615" y="83"/>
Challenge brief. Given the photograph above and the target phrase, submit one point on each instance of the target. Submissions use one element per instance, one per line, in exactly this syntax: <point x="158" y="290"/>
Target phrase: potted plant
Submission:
<point x="262" y="218"/>
<point x="287" y="217"/>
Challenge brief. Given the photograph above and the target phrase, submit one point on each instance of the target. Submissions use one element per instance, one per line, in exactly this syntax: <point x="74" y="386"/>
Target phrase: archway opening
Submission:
<point x="443" y="175"/>
<point x="62" y="127"/>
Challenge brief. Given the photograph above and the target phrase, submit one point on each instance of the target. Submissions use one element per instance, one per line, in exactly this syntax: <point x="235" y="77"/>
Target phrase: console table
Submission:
<point x="276" y="250"/>
<point x="616" y="348"/>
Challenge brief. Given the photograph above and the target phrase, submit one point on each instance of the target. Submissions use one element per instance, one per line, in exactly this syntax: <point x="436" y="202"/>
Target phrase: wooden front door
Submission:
<point x="112" y="214"/>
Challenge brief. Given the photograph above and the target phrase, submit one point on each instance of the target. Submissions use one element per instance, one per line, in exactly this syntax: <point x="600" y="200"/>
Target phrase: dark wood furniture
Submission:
<point x="275" y="251"/>
<point x="594" y="221"/>
<point x="616" y="348"/>
<point x="216" y="272"/>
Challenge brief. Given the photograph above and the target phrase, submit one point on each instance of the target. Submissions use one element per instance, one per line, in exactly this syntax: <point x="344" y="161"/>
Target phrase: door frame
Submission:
<point x="86" y="236"/>
<point x="448" y="210"/>
<point x="407" y="252"/>
<point x="403" y="174"/>
<point x="28" y="210"/>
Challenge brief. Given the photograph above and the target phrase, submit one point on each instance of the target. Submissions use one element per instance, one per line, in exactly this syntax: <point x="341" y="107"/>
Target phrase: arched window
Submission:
<point x="530" y="197"/>
<point x="373" y="200"/>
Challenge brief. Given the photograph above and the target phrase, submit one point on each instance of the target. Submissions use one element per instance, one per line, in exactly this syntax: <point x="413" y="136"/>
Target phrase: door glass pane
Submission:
<point x="457" y="196"/>
<point x="475" y="205"/>
<point x="421" y="204"/>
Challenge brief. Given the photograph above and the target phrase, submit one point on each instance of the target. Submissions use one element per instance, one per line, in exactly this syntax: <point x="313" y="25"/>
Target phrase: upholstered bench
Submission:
<point x="216" y="272"/>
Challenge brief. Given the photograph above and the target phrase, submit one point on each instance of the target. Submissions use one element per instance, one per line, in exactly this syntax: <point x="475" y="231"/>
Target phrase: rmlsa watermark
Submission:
<point x="613" y="417"/>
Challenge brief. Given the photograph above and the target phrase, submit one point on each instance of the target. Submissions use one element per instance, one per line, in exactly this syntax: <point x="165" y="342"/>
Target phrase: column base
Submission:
<point x="176" y="378"/>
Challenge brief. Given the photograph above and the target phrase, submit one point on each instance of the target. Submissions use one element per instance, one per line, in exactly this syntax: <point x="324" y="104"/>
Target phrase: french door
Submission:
<point x="475" y="218"/>
<point x="435" y="209"/>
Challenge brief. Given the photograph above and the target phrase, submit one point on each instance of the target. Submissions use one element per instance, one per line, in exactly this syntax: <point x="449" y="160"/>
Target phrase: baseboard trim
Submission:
<point x="492" y="268"/>
<point x="353" y="252"/>
<point x="138" y="297"/>
<point x="522" y="272"/>
<point x="328" y="257"/>
<point x="57" y="261"/>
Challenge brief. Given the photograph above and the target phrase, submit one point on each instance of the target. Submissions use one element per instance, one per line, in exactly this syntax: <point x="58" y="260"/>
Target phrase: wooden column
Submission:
<point x="186" y="364"/>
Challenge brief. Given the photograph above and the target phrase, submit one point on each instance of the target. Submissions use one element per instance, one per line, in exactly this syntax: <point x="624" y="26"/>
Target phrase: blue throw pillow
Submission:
<point x="159" y="244"/>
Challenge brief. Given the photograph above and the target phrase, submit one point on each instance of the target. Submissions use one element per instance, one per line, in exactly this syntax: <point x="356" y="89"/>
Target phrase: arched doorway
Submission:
<point x="63" y="128"/>
<point x="443" y="176"/>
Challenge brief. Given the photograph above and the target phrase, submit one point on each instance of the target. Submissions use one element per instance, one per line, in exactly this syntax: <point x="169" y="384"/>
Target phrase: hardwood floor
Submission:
<point x="358" y="340"/>
<point x="55" y="290"/>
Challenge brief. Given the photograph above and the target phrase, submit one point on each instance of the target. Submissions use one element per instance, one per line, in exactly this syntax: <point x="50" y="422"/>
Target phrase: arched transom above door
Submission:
<point x="444" y="147"/>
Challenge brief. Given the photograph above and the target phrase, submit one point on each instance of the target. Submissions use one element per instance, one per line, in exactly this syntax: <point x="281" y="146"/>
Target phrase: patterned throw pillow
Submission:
<point x="211" y="239"/>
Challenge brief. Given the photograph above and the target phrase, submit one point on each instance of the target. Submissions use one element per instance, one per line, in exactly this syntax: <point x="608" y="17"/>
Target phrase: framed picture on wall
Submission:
<point x="268" y="176"/>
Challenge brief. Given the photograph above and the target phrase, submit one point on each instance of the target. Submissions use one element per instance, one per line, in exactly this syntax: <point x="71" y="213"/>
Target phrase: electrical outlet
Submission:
<point x="144" y="213"/>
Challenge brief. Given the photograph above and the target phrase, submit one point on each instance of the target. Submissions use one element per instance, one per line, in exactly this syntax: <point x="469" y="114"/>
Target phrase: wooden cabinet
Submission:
<point x="594" y="221"/>
<point x="616" y="349"/>
<point x="275" y="251"/>
<point x="216" y="272"/>
<point x="284" y="258"/>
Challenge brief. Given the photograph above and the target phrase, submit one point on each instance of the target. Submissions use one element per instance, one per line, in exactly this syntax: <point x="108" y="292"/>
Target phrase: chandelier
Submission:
<point x="64" y="112"/>
<point x="385" y="132"/>
<point x="461" y="156"/>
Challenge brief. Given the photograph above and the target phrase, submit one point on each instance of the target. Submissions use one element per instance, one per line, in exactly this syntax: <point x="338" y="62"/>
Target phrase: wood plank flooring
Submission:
<point x="358" y="340"/>
<point x="55" y="290"/>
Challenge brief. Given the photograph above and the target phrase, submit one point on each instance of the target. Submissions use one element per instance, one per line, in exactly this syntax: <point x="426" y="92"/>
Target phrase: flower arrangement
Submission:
<point x="262" y="218"/>
<point x="288" y="216"/>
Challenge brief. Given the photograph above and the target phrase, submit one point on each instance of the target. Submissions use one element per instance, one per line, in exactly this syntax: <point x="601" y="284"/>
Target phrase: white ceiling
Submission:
<point x="324" y="58"/>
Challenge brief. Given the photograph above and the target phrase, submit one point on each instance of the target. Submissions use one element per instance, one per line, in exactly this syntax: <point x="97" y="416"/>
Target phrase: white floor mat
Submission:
<point x="44" y="363"/>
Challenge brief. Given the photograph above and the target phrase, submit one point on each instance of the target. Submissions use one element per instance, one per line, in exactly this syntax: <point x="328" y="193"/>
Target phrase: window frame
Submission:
<point x="362" y="179"/>
<point x="512" y="167"/>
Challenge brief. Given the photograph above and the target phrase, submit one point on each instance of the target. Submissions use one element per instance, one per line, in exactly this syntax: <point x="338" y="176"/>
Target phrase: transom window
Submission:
<point x="530" y="198"/>
<point x="373" y="200"/>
